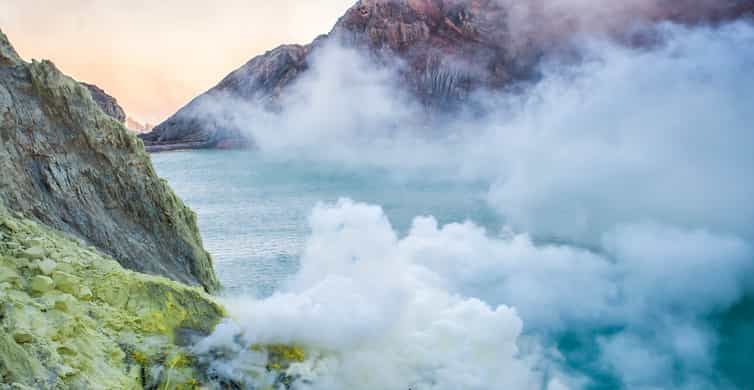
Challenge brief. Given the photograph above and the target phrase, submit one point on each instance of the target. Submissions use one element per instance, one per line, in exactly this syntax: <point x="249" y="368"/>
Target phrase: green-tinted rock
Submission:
<point x="16" y="365"/>
<point x="22" y="337"/>
<point x="93" y="325"/>
<point x="8" y="275"/>
<point x="41" y="284"/>
<point x="36" y="241"/>
<point x="84" y="293"/>
<point x="66" y="282"/>
<point x="46" y="266"/>
<point x="10" y="225"/>
<point x="34" y="253"/>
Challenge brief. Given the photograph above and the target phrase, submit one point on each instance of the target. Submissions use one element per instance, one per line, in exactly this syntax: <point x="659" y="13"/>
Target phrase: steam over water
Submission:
<point x="593" y="232"/>
<point x="253" y="210"/>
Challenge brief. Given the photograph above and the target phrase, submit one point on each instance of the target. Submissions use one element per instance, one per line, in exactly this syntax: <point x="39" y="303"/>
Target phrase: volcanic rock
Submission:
<point x="95" y="326"/>
<point x="68" y="165"/>
<point x="450" y="48"/>
<point x="107" y="103"/>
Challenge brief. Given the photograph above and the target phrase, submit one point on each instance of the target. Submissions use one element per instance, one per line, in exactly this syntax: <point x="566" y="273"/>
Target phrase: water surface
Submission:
<point x="253" y="209"/>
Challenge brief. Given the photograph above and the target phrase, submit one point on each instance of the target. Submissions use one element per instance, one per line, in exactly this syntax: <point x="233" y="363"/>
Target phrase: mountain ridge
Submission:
<point x="450" y="49"/>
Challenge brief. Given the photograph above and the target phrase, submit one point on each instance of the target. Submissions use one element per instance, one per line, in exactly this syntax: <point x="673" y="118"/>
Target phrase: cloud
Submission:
<point x="624" y="182"/>
<point x="371" y="318"/>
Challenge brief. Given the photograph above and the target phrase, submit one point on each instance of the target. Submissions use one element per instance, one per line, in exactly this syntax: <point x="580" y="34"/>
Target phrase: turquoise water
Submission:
<point x="253" y="215"/>
<point x="253" y="209"/>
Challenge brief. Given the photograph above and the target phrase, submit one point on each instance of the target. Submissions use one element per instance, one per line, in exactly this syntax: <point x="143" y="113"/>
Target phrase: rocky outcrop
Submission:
<point x="107" y="103"/>
<point x="68" y="165"/>
<point x="450" y="48"/>
<point x="73" y="318"/>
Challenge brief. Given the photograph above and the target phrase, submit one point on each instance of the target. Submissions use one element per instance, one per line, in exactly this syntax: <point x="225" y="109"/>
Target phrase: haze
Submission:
<point x="155" y="56"/>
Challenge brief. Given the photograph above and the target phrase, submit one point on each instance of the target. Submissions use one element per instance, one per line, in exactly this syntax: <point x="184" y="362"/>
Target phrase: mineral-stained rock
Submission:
<point x="69" y="166"/>
<point x="65" y="282"/>
<point x="107" y="103"/>
<point x="449" y="49"/>
<point x="46" y="266"/>
<point x="41" y="284"/>
<point x="119" y="331"/>
<point x="22" y="337"/>
<point x="33" y="253"/>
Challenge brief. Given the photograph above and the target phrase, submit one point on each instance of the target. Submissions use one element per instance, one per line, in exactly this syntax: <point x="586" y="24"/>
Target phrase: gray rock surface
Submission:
<point x="68" y="165"/>
<point x="107" y="103"/>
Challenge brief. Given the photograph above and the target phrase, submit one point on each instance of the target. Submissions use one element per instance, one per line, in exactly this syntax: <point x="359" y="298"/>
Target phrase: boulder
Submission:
<point x="41" y="284"/>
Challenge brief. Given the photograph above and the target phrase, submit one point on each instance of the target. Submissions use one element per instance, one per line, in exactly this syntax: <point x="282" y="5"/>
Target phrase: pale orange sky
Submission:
<point x="154" y="56"/>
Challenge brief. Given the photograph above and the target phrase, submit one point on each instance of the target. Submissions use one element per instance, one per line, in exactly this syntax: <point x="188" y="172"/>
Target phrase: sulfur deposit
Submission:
<point x="73" y="318"/>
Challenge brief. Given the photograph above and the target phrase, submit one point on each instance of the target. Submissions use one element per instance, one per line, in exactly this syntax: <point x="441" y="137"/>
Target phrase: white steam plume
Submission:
<point x="626" y="185"/>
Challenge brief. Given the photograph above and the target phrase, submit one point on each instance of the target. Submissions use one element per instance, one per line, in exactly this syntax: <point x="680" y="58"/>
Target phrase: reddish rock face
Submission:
<point x="447" y="48"/>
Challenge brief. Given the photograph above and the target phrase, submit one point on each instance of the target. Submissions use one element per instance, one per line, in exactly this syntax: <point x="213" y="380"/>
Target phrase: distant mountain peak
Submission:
<point x="448" y="48"/>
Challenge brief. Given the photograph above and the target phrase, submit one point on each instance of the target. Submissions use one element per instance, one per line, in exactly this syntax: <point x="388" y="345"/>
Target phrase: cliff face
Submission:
<point x="450" y="48"/>
<point x="107" y="103"/>
<point x="68" y="165"/>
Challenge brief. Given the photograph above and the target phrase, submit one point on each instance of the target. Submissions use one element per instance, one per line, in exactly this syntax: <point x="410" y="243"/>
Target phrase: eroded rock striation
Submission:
<point x="66" y="164"/>
<point x="448" y="48"/>
<point x="107" y="103"/>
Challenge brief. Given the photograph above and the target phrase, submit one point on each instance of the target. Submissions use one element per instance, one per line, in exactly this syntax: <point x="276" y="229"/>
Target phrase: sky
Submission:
<point x="155" y="56"/>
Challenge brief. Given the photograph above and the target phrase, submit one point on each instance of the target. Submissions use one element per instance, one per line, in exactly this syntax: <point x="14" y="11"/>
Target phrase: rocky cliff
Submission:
<point x="450" y="48"/>
<point x="75" y="187"/>
<point x="73" y="318"/>
<point x="68" y="165"/>
<point x="107" y="103"/>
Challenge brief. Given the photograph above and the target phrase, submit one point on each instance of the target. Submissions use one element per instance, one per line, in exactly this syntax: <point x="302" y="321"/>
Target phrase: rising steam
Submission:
<point x="625" y="182"/>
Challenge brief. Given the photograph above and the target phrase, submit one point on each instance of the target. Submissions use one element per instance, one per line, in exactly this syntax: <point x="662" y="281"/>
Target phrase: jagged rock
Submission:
<point x="65" y="303"/>
<point x="107" y="103"/>
<point x="34" y="253"/>
<point x="23" y="337"/>
<point x="41" y="284"/>
<point x="69" y="166"/>
<point x="450" y="48"/>
<point x="10" y="225"/>
<point x="65" y="282"/>
<point x="8" y="55"/>
<point x="46" y="266"/>
<point x="116" y="331"/>
<point x="84" y="293"/>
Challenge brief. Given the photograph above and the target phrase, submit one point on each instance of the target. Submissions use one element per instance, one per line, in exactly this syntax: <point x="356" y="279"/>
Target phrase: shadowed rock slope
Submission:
<point x="107" y="103"/>
<point x="66" y="164"/>
<point x="448" y="48"/>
